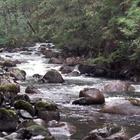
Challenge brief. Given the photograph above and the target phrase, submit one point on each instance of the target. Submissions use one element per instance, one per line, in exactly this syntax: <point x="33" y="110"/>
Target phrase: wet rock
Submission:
<point x="66" y="69"/>
<point x="54" y="60"/>
<point x="49" y="53"/>
<point x="22" y="97"/>
<point x="90" y="96"/>
<point x="47" y="111"/>
<point x="135" y="101"/>
<point x="137" y="137"/>
<point x="24" y="114"/>
<point x="26" y="53"/>
<point x="8" y="88"/>
<point x="61" y="129"/>
<point x="118" y="86"/>
<point x="72" y="61"/>
<point x="9" y="63"/>
<point x="13" y="88"/>
<point x="74" y="73"/>
<point x="20" y="104"/>
<point x="1" y="50"/>
<point x="53" y="76"/>
<point x="45" y="105"/>
<point x="120" y="106"/>
<point x="9" y="91"/>
<point x="49" y="115"/>
<point x="12" y="136"/>
<point x="93" y="70"/>
<point x="32" y="90"/>
<point x="17" y="74"/>
<point x="37" y="76"/>
<point x="24" y="134"/>
<point x="37" y="130"/>
<point x="107" y="133"/>
<point x="8" y="120"/>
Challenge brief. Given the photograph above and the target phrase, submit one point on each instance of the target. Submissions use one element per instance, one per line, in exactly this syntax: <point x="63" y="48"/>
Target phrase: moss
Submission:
<point x="7" y="113"/>
<point x="99" y="60"/>
<point x="10" y="88"/>
<point x="43" y="106"/>
<point x="21" y="104"/>
<point x="40" y="130"/>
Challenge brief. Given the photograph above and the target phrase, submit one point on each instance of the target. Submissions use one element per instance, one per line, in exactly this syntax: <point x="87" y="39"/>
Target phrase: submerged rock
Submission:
<point x="90" y="96"/>
<point x="118" y="86"/>
<point x="66" y="69"/>
<point x="55" y="60"/>
<point x="107" y="133"/>
<point x="120" y="106"/>
<point x="53" y="76"/>
<point x="32" y="90"/>
<point x="37" y="130"/>
<point x="17" y="74"/>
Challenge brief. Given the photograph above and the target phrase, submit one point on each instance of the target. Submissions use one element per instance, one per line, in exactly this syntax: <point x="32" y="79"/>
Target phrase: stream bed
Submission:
<point x="82" y="119"/>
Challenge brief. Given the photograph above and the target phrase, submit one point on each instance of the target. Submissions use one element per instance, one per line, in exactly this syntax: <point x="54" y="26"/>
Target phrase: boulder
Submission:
<point x="120" y="106"/>
<point x="72" y="61"/>
<point x="134" y="101"/>
<point x="23" y="97"/>
<point x="37" y="130"/>
<point x="23" y="105"/>
<point x="93" y="70"/>
<point x="66" y="69"/>
<point x="54" y="60"/>
<point x="17" y="74"/>
<point x="37" y="76"/>
<point x="107" y="133"/>
<point x="53" y="76"/>
<point x="74" y="73"/>
<point x="50" y="53"/>
<point x="12" y="88"/>
<point x="47" y="110"/>
<point x="32" y="90"/>
<point x="9" y="63"/>
<point x="8" y="120"/>
<point x="118" y="86"/>
<point x="90" y="96"/>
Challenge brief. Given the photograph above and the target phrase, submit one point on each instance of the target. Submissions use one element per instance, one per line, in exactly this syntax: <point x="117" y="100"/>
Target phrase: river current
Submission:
<point x="81" y="119"/>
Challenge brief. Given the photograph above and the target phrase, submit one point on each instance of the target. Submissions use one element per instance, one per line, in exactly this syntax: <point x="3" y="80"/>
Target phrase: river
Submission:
<point x="82" y="118"/>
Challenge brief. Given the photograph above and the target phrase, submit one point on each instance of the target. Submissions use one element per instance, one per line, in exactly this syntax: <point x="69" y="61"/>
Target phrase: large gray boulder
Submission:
<point x="53" y="76"/>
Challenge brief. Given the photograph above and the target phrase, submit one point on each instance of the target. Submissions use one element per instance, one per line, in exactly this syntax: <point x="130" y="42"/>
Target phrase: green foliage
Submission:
<point x="91" y="28"/>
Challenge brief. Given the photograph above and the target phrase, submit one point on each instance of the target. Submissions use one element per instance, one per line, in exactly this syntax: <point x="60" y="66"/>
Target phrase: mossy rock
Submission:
<point x="8" y="120"/>
<point x="7" y="113"/>
<point x="8" y="63"/>
<point x="36" y="130"/>
<point x="23" y="97"/>
<point x="21" y="104"/>
<point x="13" y="88"/>
<point x="53" y="76"/>
<point x="45" y="106"/>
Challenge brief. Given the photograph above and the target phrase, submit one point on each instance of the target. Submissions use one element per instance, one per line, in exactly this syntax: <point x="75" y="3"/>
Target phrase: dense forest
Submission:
<point x="103" y="31"/>
<point x="69" y="70"/>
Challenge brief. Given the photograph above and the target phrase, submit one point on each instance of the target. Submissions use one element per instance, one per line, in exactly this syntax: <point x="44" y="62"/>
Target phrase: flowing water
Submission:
<point x="80" y="118"/>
